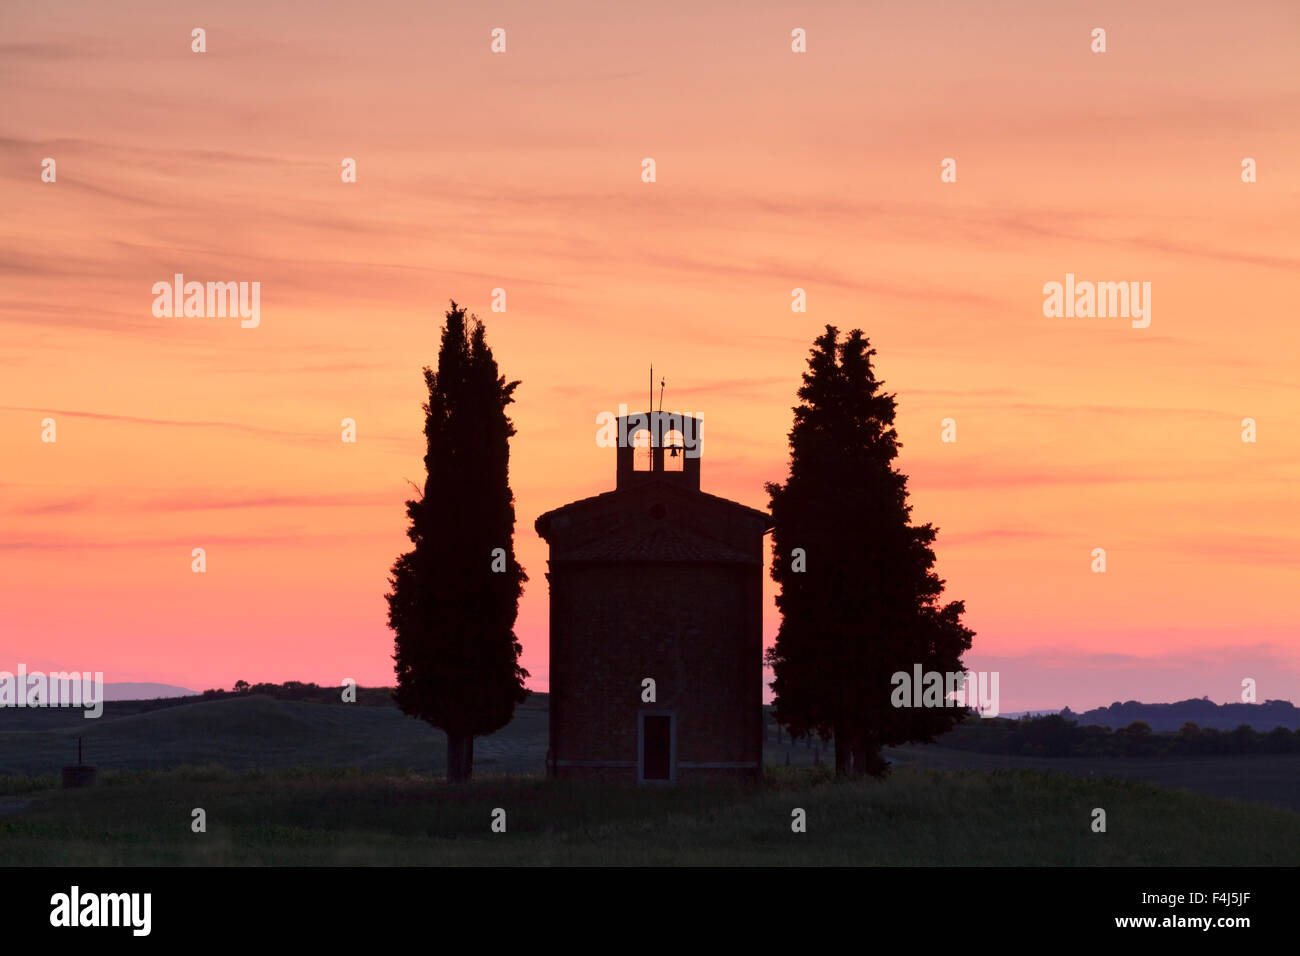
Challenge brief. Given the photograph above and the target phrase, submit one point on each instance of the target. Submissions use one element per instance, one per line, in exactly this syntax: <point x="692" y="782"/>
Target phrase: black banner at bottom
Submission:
<point x="357" y="905"/>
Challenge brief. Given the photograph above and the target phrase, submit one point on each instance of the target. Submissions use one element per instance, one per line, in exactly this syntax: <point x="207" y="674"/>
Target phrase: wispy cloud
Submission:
<point x="962" y="538"/>
<point x="175" y="423"/>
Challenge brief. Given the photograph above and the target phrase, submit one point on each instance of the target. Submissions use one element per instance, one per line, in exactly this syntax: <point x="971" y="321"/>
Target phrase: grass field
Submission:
<point x="262" y="733"/>
<point x="259" y="732"/>
<point x="912" y="818"/>
<point x="374" y="795"/>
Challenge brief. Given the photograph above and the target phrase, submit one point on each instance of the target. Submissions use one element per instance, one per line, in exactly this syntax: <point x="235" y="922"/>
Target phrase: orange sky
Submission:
<point x="774" y="170"/>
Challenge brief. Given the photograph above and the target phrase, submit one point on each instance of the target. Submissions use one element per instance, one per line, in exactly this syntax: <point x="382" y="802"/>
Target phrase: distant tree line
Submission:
<point x="1202" y="712"/>
<point x="1055" y="736"/>
<point x="297" y="690"/>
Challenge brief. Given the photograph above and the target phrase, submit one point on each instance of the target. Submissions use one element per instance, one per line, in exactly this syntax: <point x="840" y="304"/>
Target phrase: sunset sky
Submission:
<point x="775" y="170"/>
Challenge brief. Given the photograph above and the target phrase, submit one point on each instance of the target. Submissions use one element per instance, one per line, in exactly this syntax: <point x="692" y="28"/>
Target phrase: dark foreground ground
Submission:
<point x="291" y="782"/>
<point x="262" y="733"/>
<point x="358" y="818"/>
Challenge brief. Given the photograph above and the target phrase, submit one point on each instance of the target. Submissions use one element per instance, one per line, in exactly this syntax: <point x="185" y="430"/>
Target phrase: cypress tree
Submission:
<point x="865" y="603"/>
<point x="455" y="596"/>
